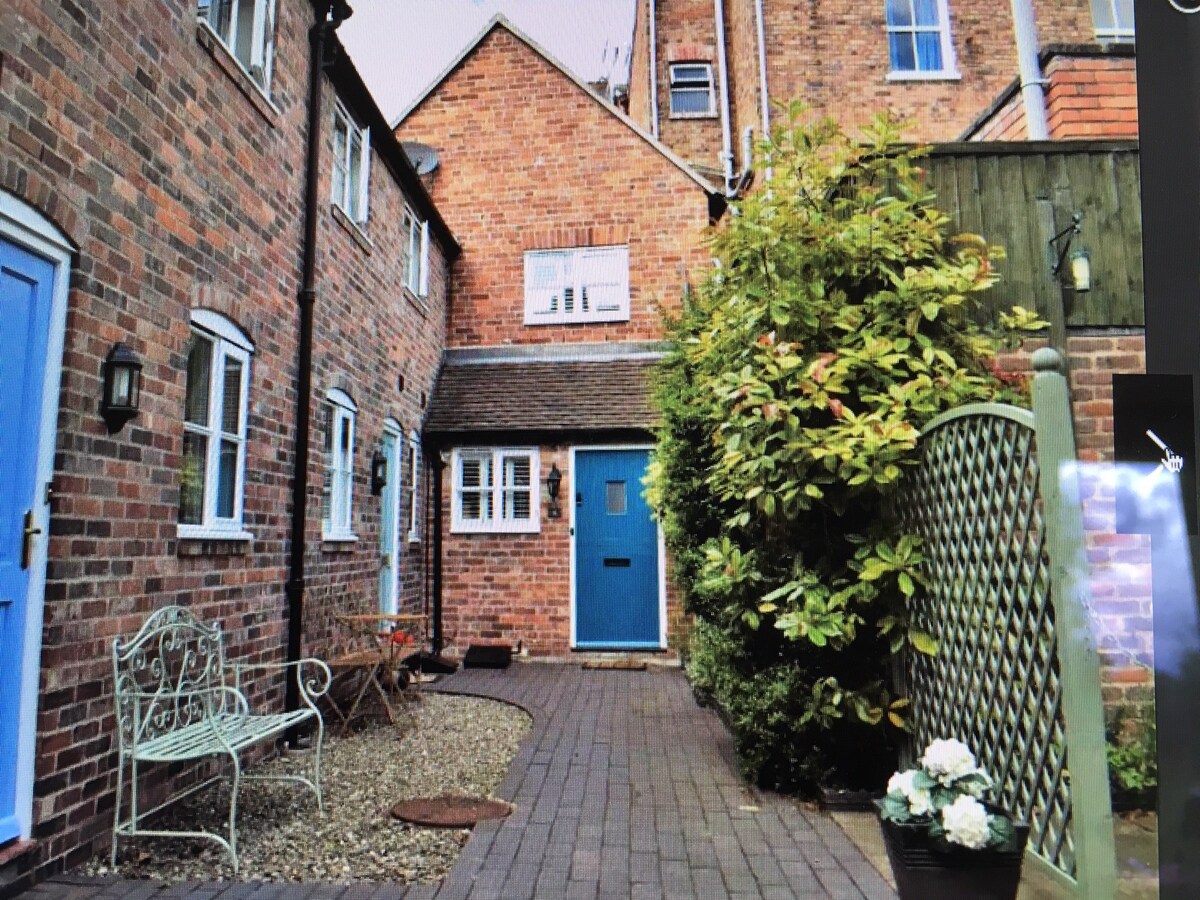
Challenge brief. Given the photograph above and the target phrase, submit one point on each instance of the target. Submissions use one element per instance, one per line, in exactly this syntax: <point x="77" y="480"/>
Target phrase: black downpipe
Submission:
<point x="439" y="468"/>
<point x="329" y="16"/>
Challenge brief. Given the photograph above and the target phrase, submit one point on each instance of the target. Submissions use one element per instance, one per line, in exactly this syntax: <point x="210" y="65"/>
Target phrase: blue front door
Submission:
<point x="616" y="553"/>
<point x="26" y="297"/>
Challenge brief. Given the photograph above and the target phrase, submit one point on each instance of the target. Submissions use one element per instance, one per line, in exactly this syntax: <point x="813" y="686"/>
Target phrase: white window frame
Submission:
<point x="228" y="342"/>
<point x="544" y="306"/>
<point x="499" y="521"/>
<point x="249" y="35"/>
<point x="675" y="82"/>
<point x="414" y="480"/>
<point x="351" y="185"/>
<point x="415" y="232"/>
<point x="1117" y="31"/>
<point x="337" y="523"/>
<point x="949" y="67"/>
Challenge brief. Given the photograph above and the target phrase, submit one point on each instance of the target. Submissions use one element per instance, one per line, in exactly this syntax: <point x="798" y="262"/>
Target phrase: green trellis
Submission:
<point x="1016" y="674"/>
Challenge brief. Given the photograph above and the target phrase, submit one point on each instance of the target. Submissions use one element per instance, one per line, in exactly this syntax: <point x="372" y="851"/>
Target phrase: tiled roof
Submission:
<point x="571" y="395"/>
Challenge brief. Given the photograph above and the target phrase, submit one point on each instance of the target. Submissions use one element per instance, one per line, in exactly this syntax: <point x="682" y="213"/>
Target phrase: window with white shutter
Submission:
<point x="351" y="166"/>
<point x="1113" y="20"/>
<point x="578" y="284"/>
<point x="495" y="490"/>
<point x="692" y="91"/>
<point x="416" y="253"/>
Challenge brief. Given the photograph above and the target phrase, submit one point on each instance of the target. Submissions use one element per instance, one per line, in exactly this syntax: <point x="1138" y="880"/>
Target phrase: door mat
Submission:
<point x="487" y="656"/>
<point x="625" y="665"/>
<point x="449" y="811"/>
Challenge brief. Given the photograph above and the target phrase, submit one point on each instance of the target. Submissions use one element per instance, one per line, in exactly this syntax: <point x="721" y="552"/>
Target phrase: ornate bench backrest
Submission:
<point x="167" y="675"/>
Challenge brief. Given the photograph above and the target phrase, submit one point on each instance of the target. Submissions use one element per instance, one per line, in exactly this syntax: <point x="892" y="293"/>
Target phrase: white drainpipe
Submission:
<point x="653" y="15"/>
<point x="1032" y="91"/>
<point x="723" y="74"/>
<point x="764" y="97"/>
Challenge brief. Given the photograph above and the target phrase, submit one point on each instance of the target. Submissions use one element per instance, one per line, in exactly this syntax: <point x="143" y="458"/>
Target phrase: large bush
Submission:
<point x="837" y="321"/>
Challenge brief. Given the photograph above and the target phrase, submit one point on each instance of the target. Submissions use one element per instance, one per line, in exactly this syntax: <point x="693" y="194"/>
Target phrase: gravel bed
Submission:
<point x="460" y="745"/>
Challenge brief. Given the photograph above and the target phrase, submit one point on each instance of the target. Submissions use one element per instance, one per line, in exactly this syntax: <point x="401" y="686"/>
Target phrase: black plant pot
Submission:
<point x="925" y="871"/>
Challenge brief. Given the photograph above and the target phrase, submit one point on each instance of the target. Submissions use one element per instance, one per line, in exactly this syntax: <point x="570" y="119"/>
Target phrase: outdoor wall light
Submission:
<point x="379" y="472"/>
<point x="553" y="485"/>
<point x="122" y="387"/>
<point x="1080" y="261"/>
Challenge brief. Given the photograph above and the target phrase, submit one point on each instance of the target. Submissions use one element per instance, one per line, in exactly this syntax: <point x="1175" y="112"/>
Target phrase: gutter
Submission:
<point x="723" y="74"/>
<point x="1033" y="92"/>
<point x="329" y="15"/>
<point x="764" y="98"/>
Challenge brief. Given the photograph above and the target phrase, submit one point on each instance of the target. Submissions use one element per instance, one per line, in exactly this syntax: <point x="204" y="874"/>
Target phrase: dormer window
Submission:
<point x="247" y="29"/>
<point x="351" y="166"/>
<point x="692" y="92"/>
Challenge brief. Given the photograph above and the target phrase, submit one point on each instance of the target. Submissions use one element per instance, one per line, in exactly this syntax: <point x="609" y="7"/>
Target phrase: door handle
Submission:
<point x="27" y="534"/>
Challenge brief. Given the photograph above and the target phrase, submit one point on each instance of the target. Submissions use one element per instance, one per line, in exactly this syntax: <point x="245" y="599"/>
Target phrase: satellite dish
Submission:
<point x="423" y="157"/>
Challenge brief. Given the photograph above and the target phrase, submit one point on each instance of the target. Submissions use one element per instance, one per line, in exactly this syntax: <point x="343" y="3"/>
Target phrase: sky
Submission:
<point x="400" y="46"/>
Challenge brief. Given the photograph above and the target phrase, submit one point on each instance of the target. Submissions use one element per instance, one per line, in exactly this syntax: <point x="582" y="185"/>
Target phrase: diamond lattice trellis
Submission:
<point x="978" y="500"/>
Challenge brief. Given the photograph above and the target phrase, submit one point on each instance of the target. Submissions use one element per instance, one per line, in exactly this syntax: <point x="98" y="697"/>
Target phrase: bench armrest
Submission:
<point x="311" y="687"/>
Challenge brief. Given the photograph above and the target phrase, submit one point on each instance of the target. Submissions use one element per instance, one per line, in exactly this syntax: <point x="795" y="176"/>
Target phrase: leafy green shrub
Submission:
<point x="837" y="322"/>
<point x="1132" y="750"/>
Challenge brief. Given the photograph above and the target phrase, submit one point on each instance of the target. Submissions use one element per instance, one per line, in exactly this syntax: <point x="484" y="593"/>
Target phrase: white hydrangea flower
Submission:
<point x="967" y="823"/>
<point x="948" y="760"/>
<point x="920" y="802"/>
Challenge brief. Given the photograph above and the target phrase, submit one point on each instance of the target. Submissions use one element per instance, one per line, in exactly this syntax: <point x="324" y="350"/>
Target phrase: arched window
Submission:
<point x="216" y="398"/>
<point x="337" y="521"/>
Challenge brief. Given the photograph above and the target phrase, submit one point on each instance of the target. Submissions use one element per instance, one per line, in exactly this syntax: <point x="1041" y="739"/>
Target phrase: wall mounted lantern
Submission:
<point x="122" y="387"/>
<point x="1080" y="260"/>
<point x="379" y="472"/>
<point x="553" y="485"/>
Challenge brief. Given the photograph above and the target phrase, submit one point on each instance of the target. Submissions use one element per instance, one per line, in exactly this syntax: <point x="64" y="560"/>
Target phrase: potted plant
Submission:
<point x="945" y="836"/>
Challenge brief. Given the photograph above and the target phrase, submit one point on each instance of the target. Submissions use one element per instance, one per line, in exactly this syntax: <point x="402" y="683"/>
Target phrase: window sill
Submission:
<point x="355" y="230"/>
<point x="232" y="67"/>
<point x="575" y="320"/>
<point x="692" y="115"/>
<point x="948" y="75"/>
<point x="414" y="539"/>
<point x="419" y="303"/>
<point x="493" y="529"/>
<point x="199" y="541"/>
<point x="338" y="543"/>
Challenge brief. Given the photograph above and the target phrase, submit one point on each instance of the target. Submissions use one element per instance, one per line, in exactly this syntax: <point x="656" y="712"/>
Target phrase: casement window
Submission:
<point x="351" y="166"/>
<point x="692" y="92"/>
<point x="1113" y="19"/>
<point x="919" y="42"/>
<point x="579" y="284"/>
<point x="495" y="490"/>
<point x="414" y="480"/>
<point x="337" y="522"/>
<point x="247" y="29"/>
<point x="415" y="233"/>
<point x="216" y="397"/>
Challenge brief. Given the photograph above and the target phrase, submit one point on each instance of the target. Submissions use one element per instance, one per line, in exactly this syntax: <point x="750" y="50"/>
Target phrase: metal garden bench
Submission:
<point x="177" y="699"/>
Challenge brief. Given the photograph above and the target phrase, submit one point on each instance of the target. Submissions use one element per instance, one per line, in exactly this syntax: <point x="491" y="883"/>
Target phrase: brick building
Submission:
<point x="705" y="73"/>
<point x="577" y="229"/>
<point x="154" y="194"/>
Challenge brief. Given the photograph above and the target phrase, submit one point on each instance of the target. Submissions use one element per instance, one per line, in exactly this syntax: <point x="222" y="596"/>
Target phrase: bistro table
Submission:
<point x="376" y="668"/>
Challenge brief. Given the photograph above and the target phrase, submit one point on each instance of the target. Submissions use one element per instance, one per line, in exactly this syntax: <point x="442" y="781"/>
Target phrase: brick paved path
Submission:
<point x="625" y="788"/>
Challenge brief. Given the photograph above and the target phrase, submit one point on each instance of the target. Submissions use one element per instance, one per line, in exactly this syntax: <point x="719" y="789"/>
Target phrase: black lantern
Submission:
<point x="553" y="484"/>
<point x="379" y="473"/>
<point x="122" y="387"/>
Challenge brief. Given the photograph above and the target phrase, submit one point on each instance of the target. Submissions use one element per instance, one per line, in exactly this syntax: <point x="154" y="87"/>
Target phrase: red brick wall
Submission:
<point x="183" y="189"/>
<point x="1091" y="97"/>
<point x="556" y="169"/>
<point x="639" y="67"/>
<point x="1006" y="124"/>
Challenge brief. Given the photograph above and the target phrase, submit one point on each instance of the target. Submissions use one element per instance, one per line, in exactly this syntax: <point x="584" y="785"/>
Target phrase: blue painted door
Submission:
<point x="26" y="295"/>
<point x="616" y="552"/>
